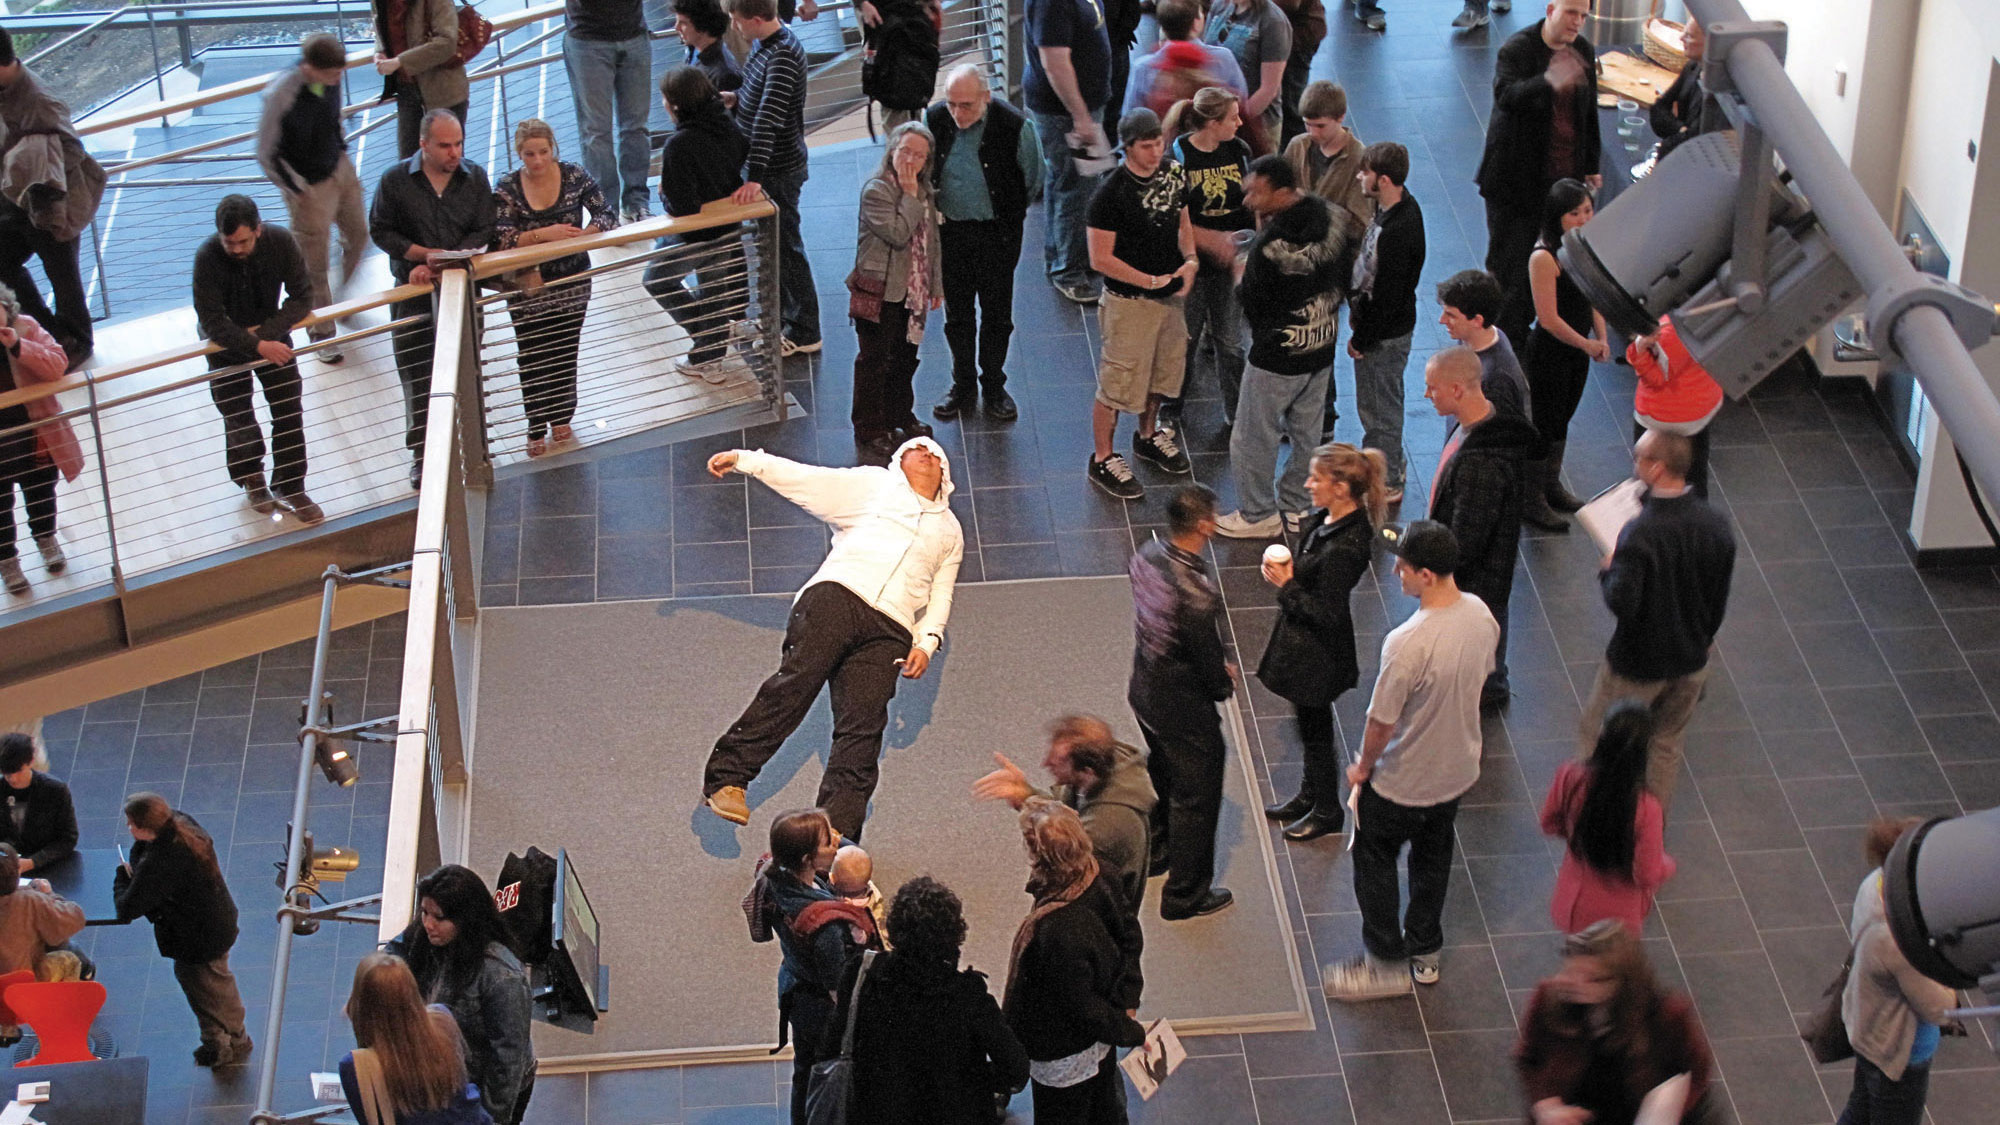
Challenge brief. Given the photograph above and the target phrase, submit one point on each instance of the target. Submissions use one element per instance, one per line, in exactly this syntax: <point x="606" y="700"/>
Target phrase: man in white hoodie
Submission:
<point x="876" y="606"/>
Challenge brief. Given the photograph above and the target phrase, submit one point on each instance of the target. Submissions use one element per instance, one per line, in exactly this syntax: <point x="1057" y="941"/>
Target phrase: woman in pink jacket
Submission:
<point x="1675" y="395"/>
<point x="31" y="455"/>
<point x="1616" y="859"/>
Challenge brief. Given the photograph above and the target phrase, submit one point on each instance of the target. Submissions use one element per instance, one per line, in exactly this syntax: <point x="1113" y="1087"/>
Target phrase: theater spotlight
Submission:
<point x="1941" y="886"/>
<point x="1735" y="257"/>
<point x="335" y="760"/>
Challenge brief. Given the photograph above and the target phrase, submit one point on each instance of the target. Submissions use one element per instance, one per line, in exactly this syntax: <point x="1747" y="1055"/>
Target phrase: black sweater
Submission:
<point x="236" y="299"/>
<point x="1291" y="288"/>
<point x="183" y="895"/>
<point x="701" y="163"/>
<point x="1310" y="658"/>
<point x="1178" y="658"/>
<point x="1389" y="309"/>
<point x="1078" y="976"/>
<point x="48" y="830"/>
<point x="1668" y="585"/>
<point x="1513" y="170"/>
<point x="929" y="1048"/>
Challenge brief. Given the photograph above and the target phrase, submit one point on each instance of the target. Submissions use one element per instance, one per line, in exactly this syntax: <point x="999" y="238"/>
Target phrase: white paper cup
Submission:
<point x="1277" y="553"/>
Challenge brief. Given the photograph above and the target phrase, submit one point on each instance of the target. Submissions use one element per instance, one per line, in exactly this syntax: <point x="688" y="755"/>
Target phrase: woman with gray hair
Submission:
<point x="1073" y="977"/>
<point x="897" y="279"/>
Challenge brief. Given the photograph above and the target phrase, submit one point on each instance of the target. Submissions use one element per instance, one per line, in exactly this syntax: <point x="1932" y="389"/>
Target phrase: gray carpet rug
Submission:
<point x="611" y="708"/>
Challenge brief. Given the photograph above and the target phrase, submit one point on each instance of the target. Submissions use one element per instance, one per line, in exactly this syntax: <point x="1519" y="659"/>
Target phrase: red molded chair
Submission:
<point x="61" y="1014"/>
<point x="7" y="980"/>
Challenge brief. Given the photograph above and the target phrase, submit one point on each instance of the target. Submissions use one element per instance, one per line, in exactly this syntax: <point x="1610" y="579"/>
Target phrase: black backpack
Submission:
<point x="901" y="65"/>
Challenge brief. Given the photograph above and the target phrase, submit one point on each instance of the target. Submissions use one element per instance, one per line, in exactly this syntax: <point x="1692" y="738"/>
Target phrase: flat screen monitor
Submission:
<point x="575" y="967"/>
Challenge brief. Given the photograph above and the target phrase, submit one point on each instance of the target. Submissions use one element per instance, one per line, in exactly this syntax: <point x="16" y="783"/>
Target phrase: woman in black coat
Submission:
<point x="173" y="881"/>
<point x="1073" y="979"/>
<point x="1310" y="658"/>
<point x="930" y="1046"/>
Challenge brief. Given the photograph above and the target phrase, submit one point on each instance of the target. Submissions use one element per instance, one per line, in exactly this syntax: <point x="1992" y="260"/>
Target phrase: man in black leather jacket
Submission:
<point x="1178" y="675"/>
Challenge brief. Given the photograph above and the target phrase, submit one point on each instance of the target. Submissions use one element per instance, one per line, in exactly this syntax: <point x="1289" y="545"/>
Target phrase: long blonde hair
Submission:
<point x="422" y="1056"/>
<point x="1365" y="472"/>
<point x="1209" y="105"/>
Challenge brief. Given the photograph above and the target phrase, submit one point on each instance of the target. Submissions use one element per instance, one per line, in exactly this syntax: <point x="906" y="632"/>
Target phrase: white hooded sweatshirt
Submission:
<point x="894" y="549"/>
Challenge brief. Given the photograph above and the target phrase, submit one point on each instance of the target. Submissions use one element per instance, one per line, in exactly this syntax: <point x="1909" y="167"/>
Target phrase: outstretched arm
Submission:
<point x="837" y="496"/>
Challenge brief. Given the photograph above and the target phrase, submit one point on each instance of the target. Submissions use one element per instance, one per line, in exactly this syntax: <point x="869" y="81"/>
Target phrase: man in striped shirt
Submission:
<point x="770" y="109"/>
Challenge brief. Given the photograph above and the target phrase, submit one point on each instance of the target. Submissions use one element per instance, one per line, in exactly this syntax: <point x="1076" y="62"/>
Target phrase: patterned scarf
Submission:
<point x="1047" y="901"/>
<point x="918" y="298"/>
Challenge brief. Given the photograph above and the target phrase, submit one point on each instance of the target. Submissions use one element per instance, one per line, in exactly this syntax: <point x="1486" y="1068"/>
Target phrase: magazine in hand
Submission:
<point x="1609" y="511"/>
<point x="1149" y="1064"/>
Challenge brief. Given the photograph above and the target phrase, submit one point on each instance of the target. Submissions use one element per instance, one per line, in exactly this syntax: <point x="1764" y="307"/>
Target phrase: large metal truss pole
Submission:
<point x="1927" y="323"/>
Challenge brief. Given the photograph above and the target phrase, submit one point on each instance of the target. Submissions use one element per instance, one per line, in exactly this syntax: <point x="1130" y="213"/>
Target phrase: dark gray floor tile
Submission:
<point x="557" y="591"/>
<point x="1709" y="925"/>
<point x="1493" y="830"/>
<point x="1783" y="889"/>
<point x="1829" y="802"/>
<point x="1750" y="814"/>
<point x="1806" y="960"/>
<point x="1316" y="1098"/>
<point x="636" y="1097"/>
<point x="698" y="563"/>
<point x="1772" y="1080"/>
<point x="1808" y="754"/>
<point x="634" y="506"/>
<point x="1468" y="996"/>
<point x="1970" y="587"/>
<point x="1513" y="896"/>
<point x="1910" y="777"/>
<point x="1728" y="753"/>
<point x="788" y="546"/>
<point x="1774" y="707"/>
<point x="1020" y="560"/>
<point x="1399" y="1086"/>
<point x="1013" y="515"/>
<point x="1737" y="995"/>
<point x="558" y="1100"/>
<point x="1868" y="546"/>
<point x="1943" y="692"/>
<point x="1841" y="655"/>
<point x="1780" y="533"/>
<point x="559" y="490"/>
<point x="1206" y="1090"/>
<point x="1874" y="719"/>
<point x="1891" y="597"/>
<point x="635" y="566"/>
<point x="1845" y="508"/>
<point x="1963" y="738"/>
<point x="1975" y="784"/>
<point x="1089" y="553"/>
<point x="1963" y="1097"/>
<point x="1477" y="1068"/>
<point x="710" y="514"/>
<point x="558" y="547"/>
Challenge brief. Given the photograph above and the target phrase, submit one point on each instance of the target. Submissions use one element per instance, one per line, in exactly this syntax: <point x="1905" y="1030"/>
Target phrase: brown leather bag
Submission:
<point x="474" y="33"/>
<point x="1825" y="1031"/>
<point x="864" y="295"/>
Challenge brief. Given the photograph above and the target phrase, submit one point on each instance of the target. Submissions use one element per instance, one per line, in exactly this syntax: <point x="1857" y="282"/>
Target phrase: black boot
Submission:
<point x="1558" y="497"/>
<point x="1535" y="510"/>
<point x="1315" y="824"/>
<point x="961" y="400"/>
<point x="1286" y="812"/>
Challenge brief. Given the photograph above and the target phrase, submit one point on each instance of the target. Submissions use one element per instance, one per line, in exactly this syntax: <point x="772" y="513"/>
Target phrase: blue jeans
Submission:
<point x="604" y="77"/>
<point x="1876" y="1099"/>
<point x="1215" y="334"/>
<point x="1272" y="405"/>
<point x="1378" y="395"/>
<point x="798" y="301"/>
<point x="1067" y="196"/>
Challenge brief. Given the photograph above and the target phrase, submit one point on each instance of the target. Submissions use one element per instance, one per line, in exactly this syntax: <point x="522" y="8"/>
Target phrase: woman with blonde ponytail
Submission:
<point x="1310" y="659"/>
<point x="1216" y="160"/>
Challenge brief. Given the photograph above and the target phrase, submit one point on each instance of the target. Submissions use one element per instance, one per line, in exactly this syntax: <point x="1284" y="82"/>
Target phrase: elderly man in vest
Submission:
<point x="988" y="163"/>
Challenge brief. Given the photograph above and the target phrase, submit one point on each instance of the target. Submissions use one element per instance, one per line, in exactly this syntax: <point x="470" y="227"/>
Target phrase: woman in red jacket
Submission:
<point x="1616" y="861"/>
<point x="1675" y="395"/>
<point x="31" y="458"/>
<point x="1602" y="1034"/>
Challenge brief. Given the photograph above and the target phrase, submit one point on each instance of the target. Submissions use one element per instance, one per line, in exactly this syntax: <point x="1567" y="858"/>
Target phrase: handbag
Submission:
<point x="1825" y="1031"/>
<point x="377" y="1107"/>
<point x="474" y="32"/>
<point x="830" y="1090"/>
<point x="864" y="295"/>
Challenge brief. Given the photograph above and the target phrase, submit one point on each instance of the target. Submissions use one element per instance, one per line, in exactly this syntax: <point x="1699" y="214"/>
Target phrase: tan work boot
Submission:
<point x="730" y="803"/>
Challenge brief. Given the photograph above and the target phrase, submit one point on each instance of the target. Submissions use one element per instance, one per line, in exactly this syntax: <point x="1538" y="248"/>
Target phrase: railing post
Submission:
<point x="472" y="401"/>
<point x="769" y="313"/>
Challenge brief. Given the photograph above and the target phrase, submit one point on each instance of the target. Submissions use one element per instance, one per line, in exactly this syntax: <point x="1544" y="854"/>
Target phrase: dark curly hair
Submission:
<point x="927" y="924"/>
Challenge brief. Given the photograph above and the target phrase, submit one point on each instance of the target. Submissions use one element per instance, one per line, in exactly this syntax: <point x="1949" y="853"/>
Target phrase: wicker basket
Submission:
<point x="1663" y="43"/>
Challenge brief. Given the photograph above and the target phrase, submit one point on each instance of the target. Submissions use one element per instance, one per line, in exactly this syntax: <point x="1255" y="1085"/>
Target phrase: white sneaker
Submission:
<point x="1233" y="525"/>
<point x="1364" y="978"/>
<point x="1424" y="969"/>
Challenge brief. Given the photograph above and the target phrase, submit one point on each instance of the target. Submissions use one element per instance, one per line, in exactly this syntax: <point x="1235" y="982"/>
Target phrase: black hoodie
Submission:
<point x="1291" y="288"/>
<point x="1479" y="496"/>
<point x="701" y="163"/>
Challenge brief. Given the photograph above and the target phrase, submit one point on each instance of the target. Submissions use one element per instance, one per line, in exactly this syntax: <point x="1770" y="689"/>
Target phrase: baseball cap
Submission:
<point x="1424" y="544"/>
<point x="1138" y="125"/>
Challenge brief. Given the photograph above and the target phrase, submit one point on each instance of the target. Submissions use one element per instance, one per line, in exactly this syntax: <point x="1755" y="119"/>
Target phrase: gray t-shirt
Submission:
<point x="1257" y="36"/>
<point x="1433" y="667"/>
<point x="1502" y="381"/>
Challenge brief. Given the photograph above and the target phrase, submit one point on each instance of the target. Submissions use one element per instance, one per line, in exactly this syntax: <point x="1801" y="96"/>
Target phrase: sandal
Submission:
<point x="537" y="447"/>
<point x="561" y="435"/>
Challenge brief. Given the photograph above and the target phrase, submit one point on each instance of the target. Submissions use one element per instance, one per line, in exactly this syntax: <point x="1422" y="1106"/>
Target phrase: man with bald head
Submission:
<point x="1667" y="582"/>
<point x="1478" y="490"/>
<point x="437" y="200"/>
<point x="987" y="167"/>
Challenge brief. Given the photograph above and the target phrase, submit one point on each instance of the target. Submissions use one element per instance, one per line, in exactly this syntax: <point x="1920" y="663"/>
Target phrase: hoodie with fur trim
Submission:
<point x="1291" y="287"/>
<point x="894" y="549"/>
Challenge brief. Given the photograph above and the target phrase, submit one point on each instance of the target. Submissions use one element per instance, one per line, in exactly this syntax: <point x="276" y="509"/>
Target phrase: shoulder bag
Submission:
<point x="1825" y="1031"/>
<point x="377" y="1107"/>
<point x="830" y="1092"/>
